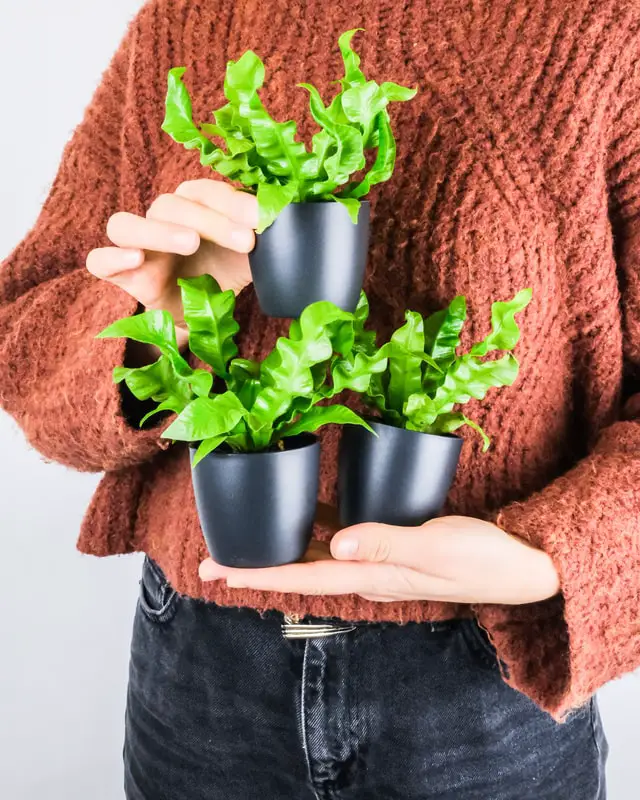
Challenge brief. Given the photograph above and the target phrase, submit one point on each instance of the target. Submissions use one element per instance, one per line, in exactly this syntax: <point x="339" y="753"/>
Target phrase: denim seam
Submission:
<point x="155" y="569"/>
<point x="303" y="719"/>
<point x="596" y="742"/>
<point x="167" y="597"/>
<point x="160" y="615"/>
<point x="483" y="648"/>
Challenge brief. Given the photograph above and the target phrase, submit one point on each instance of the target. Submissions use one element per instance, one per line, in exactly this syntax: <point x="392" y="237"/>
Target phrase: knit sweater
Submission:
<point x="518" y="165"/>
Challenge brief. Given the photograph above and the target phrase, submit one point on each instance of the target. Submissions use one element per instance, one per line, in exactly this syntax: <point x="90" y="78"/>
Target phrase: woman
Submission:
<point x="454" y="660"/>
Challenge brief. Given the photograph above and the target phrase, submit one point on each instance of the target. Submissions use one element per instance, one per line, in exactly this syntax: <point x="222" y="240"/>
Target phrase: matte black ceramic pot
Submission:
<point x="257" y="509"/>
<point x="313" y="251"/>
<point x="400" y="478"/>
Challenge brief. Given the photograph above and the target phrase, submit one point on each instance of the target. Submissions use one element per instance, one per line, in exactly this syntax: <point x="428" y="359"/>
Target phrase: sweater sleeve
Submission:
<point x="55" y="377"/>
<point x="561" y="651"/>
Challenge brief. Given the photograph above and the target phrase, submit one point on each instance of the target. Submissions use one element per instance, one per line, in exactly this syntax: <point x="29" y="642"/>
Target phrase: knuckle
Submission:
<point x="396" y="581"/>
<point x="212" y="193"/>
<point x="154" y="293"/>
<point x="199" y="183"/>
<point x="161" y="203"/>
<point x="404" y="579"/>
<point x="379" y="549"/>
<point x="116" y="223"/>
<point x="215" y="183"/>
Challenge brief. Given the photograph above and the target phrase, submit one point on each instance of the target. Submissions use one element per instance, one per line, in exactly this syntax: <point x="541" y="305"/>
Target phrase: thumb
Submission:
<point x="370" y="541"/>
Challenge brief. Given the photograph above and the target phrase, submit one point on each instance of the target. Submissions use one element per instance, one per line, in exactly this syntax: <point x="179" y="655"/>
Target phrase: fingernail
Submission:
<point x="186" y="243"/>
<point x="346" y="548"/>
<point x="242" y="239"/>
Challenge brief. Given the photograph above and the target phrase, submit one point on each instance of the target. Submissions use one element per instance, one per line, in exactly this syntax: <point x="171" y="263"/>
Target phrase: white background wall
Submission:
<point x="65" y="619"/>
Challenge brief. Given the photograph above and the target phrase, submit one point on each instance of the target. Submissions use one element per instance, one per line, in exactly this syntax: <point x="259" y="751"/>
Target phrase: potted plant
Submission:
<point x="255" y="460"/>
<point x="313" y="230"/>
<point x="402" y="475"/>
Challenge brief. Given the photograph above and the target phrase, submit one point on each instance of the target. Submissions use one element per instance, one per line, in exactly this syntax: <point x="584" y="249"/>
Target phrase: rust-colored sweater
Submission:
<point x="518" y="165"/>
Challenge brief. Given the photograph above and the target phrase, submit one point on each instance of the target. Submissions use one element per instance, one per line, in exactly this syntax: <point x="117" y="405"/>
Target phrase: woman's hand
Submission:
<point x="205" y="226"/>
<point x="451" y="559"/>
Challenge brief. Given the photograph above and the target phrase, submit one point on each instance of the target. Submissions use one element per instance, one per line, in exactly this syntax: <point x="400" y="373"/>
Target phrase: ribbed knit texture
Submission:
<point x="518" y="165"/>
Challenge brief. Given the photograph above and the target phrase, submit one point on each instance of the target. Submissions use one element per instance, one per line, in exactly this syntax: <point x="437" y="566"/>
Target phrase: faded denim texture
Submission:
<point x="221" y="705"/>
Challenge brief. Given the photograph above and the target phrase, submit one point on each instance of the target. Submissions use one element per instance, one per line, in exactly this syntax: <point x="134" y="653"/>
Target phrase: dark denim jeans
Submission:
<point x="222" y="705"/>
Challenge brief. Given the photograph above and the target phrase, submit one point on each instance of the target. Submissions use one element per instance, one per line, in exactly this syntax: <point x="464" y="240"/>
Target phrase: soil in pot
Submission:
<point x="313" y="251"/>
<point x="258" y="509"/>
<point x="400" y="478"/>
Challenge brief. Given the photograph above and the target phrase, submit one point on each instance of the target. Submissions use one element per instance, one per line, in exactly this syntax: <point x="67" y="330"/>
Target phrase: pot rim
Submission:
<point x="379" y="421"/>
<point x="322" y="202"/>
<point x="300" y="442"/>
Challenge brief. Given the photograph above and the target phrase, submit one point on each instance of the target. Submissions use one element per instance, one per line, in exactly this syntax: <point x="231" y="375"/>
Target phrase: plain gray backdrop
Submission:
<point x="65" y="619"/>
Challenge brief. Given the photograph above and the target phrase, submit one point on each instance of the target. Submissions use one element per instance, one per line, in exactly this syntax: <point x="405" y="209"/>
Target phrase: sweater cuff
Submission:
<point x="560" y="651"/>
<point x="124" y="442"/>
<point x="62" y="393"/>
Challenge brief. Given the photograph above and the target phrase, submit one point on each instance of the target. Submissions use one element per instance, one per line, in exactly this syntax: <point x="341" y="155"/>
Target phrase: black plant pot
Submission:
<point x="400" y="478"/>
<point x="313" y="251"/>
<point x="257" y="509"/>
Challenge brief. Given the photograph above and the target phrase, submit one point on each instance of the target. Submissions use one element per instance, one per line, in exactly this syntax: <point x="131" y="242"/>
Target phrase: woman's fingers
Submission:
<point x="239" y="207"/>
<point x="378" y="598"/>
<point x="213" y="225"/>
<point x="174" y="223"/>
<point x="309" y="577"/>
<point x="129" y="230"/>
<point x="107" y="262"/>
<point x="321" y="576"/>
<point x="205" y="226"/>
<point x="151" y="281"/>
